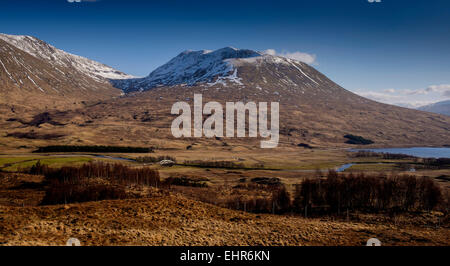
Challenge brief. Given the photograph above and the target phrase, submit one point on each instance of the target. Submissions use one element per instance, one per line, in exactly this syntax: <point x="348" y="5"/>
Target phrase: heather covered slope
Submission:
<point x="317" y="115"/>
<point x="144" y="119"/>
<point x="313" y="109"/>
<point x="29" y="85"/>
<point x="168" y="220"/>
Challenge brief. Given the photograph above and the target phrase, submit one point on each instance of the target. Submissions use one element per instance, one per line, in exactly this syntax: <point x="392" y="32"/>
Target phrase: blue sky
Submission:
<point x="396" y="51"/>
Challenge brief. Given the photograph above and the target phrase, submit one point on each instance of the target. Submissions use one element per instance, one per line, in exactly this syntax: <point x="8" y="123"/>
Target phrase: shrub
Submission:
<point x="278" y="201"/>
<point x="436" y="163"/>
<point x="357" y="140"/>
<point x="304" y="145"/>
<point x="255" y="204"/>
<point x="151" y="159"/>
<point x="37" y="169"/>
<point x="35" y="135"/>
<point x="184" y="181"/>
<point x="365" y="154"/>
<point x="271" y="181"/>
<point x="281" y="200"/>
<point x="397" y="156"/>
<point x="111" y="149"/>
<point x="63" y="193"/>
<point x="214" y="164"/>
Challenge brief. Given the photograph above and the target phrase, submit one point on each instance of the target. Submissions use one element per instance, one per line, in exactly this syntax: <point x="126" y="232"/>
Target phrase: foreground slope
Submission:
<point x="174" y="220"/>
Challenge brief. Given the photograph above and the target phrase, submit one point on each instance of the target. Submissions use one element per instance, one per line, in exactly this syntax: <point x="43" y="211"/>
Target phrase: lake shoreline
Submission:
<point x="421" y="152"/>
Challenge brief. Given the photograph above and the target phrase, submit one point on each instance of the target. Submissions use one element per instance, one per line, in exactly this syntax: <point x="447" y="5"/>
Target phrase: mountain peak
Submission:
<point x="221" y="54"/>
<point x="226" y="67"/>
<point x="191" y="67"/>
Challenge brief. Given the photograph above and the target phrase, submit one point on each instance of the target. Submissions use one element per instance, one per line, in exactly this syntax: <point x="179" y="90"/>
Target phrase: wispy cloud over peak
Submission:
<point x="299" y="56"/>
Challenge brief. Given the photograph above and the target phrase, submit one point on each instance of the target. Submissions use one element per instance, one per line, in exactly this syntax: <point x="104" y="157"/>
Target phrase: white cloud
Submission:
<point x="381" y="96"/>
<point x="409" y="98"/>
<point x="443" y="88"/>
<point x="270" y="51"/>
<point x="389" y="90"/>
<point x="299" y="56"/>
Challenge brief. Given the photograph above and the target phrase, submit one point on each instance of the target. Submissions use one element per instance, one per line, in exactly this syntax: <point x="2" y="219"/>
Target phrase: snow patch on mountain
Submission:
<point x="191" y="67"/>
<point x="45" y="51"/>
<point x="233" y="78"/>
<point x="7" y="72"/>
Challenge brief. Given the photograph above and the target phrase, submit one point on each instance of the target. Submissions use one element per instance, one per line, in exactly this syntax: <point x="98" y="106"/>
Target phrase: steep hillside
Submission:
<point x="28" y="83"/>
<point x="60" y="58"/>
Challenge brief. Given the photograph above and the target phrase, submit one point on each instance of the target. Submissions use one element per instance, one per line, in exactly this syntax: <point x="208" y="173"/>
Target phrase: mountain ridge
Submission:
<point x="47" y="52"/>
<point x="30" y="83"/>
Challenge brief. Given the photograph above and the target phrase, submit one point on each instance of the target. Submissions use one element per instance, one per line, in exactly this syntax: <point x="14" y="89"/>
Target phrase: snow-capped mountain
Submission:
<point x="313" y="108"/>
<point x="41" y="79"/>
<point x="262" y="74"/>
<point x="220" y="67"/>
<point x="53" y="55"/>
<point x="439" y="108"/>
<point x="189" y="68"/>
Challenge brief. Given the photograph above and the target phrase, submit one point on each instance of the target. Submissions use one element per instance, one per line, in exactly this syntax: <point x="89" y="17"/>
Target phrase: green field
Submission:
<point x="13" y="164"/>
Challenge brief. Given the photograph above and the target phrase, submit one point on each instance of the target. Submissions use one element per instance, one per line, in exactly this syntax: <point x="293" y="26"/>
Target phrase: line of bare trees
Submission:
<point x="114" y="172"/>
<point x="342" y="193"/>
<point x="92" y="181"/>
<point x="368" y="193"/>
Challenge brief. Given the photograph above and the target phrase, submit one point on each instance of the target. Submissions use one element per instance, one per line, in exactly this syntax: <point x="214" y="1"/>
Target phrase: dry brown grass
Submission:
<point x="175" y="220"/>
<point x="162" y="218"/>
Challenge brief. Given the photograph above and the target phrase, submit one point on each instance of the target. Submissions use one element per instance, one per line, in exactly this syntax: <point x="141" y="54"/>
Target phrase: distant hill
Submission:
<point x="439" y="108"/>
